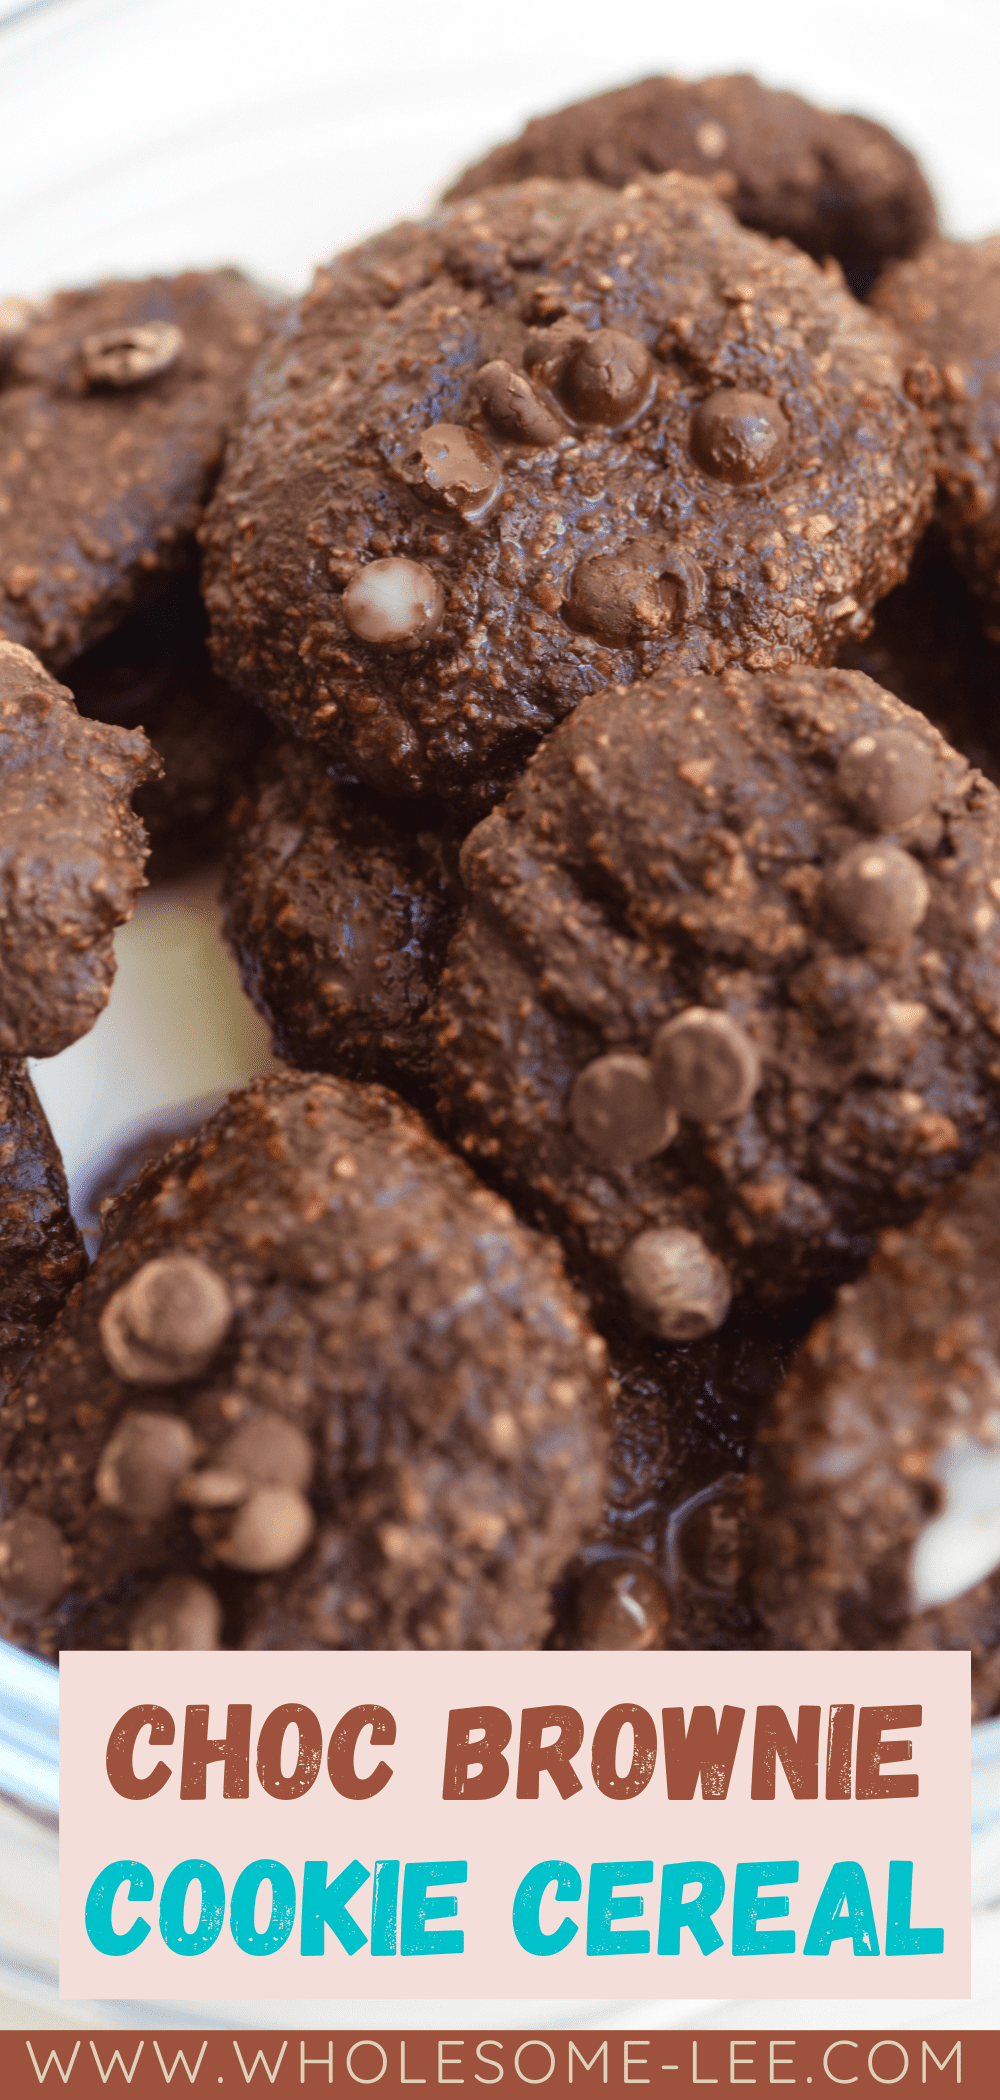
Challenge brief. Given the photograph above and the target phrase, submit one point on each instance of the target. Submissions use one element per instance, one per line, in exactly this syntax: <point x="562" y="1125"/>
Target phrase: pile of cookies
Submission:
<point x="575" y="622"/>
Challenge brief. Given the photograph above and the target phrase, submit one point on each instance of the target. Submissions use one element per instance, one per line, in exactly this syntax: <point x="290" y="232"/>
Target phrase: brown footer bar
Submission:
<point x="560" y="2062"/>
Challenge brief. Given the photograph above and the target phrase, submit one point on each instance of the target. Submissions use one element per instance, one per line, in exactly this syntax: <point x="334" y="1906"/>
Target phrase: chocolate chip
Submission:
<point x="454" y="469"/>
<point x="738" y="437"/>
<point x="270" y="1531"/>
<point x="181" y="1613"/>
<point x="676" y="1286"/>
<point x="621" y="1605"/>
<point x="888" y="778"/>
<point x="32" y="1570"/>
<point x="15" y="317"/>
<point x="514" y="408"/>
<point x="706" y="1066"/>
<point x="270" y="1451"/>
<point x="394" y="604"/>
<point x="213" y="1488"/>
<point x="648" y="588"/>
<point x="879" y="893"/>
<point x="616" y="1111"/>
<point x="548" y="350"/>
<point x="141" y="1467"/>
<point x="708" y="1537"/>
<point x="608" y="380"/>
<point x="167" y="1322"/>
<point x="122" y="357"/>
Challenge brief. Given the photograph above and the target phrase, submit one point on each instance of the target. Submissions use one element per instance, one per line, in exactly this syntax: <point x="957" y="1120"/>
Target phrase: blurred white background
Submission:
<point x="141" y="135"/>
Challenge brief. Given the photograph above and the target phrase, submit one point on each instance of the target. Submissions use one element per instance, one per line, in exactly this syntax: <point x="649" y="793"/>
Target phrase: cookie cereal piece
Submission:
<point x="696" y="887"/>
<point x="396" y="1441"/>
<point x="877" y="1492"/>
<point x="946" y="304"/>
<point x="834" y="184"/>
<point x="684" y="447"/>
<point x="71" y="856"/>
<point x="339" y="910"/>
<point x="115" y="403"/>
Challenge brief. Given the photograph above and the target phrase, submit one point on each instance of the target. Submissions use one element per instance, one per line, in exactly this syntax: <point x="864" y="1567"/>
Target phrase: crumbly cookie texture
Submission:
<point x="834" y="184"/>
<point x="41" y="1252"/>
<point x="72" y="853"/>
<point x="946" y="305"/>
<point x="321" y="1378"/>
<point x="551" y="440"/>
<point x="726" y="996"/>
<point x="339" y="909"/>
<point x="885" y="1432"/>
<point x="115" y="403"/>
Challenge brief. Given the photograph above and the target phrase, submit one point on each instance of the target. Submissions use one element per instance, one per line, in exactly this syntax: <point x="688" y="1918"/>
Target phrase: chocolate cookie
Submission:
<point x="339" y="909"/>
<point x="71" y="856"/>
<point x="41" y="1252"/>
<point x="946" y="304"/>
<point x="320" y="1389"/>
<point x="553" y="439"/>
<point x="726" y="996"/>
<point x="154" y="671"/>
<point x="115" y="403"/>
<point x="878" y="1491"/>
<point x="835" y="185"/>
<point x="928" y="647"/>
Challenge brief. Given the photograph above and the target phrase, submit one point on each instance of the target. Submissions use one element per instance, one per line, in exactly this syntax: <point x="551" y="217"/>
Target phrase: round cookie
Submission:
<point x="71" y="856"/>
<point x="946" y="305"/>
<point x="553" y="439"/>
<point x="115" y="404"/>
<point x="325" y="1380"/>
<point x="832" y="183"/>
<point x="877" y="1496"/>
<point x="726" y="996"/>
<point x="339" y="910"/>
<point x="41" y="1252"/>
<point x="154" y="670"/>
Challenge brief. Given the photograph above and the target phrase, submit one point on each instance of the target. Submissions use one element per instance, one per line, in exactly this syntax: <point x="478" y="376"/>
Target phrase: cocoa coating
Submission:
<point x="848" y="1476"/>
<point x="339" y="910"/>
<point x="111" y="436"/>
<point x="946" y="305"/>
<point x="669" y="848"/>
<point x="41" y="1252"/>
<point x="154" y="670"/>
<point x="610" y="553"/>
<point x="71" y="856"/>
<point x="834" y="184"/>
<point x="389" y="1309"/>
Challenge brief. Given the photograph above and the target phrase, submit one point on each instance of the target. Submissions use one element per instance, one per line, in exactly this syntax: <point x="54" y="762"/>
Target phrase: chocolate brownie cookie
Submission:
<point x="115" y="403"/>
<point x="71" y="856"/>
<point x="339" y="909"/>
<point x="726" y="996"/>
<point x="946" y="304"/>
<point x="41" y="1252"/>
<point x="553" y="439"/>
<point x="834" y="184"/>
<point x="927" y="646"/>
<point x="878" y="1491"/>
<point x="319" y="1389"/>
<point x="154" y="671"/>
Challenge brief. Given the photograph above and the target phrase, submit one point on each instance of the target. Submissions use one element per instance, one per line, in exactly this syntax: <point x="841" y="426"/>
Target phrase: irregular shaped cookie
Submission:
<point x="928" y="647"/>
<point x="946" y="305"/>
<point x="41" y="1252"/>
<point x="154" y="671"/>
<point x="324" y="1379"/>
<point x="551" y="440"/>
<point x="834" y="184"/>
<point x="115" y="404"/>
<point x="71" y="856"/>
<point x="339" y="910"/>
<point x="726" y="997"/>
<point x="878" y="1490"/>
